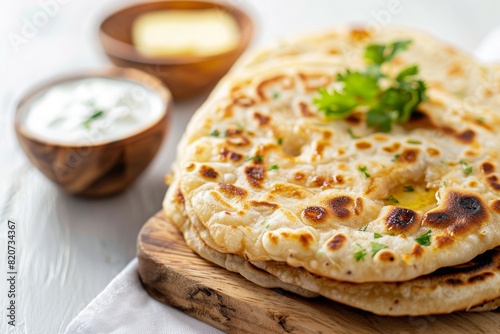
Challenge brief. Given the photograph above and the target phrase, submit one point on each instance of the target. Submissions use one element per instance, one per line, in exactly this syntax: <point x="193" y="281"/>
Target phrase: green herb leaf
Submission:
<point x="396" y="157"/>
<point x="425" y="239"/>
<point x="276" y="95"/>
<point x="362" y="90"/>
<point x="95" y="115"/>
<point x="273" y="167"/>
<point x="392" y="199"/>
<point x="375" y="54"/>
<point x="408" y="189"/>
<point x="359" y="85"/>
<point x="413" y="141"/>
<point x="360" y="254"/>
<point x="256" y="159"/>
<point x="381" y="53"/>
<point x="280" y="141"/>
<point x="215" y="133"/>
<point x="466" y="167"/>
<point x="407" y="72"/>
<point x="353" y="136"/>
<point x="363" y="169"/>
<point x="334" y="104"/>
<point x="377" y="235"/>
<point x="363" y="228"/>
<point x="376" y="247"/>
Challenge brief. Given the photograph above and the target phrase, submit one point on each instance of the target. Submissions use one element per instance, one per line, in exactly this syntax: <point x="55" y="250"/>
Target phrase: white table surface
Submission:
<point x="69" y="248"/>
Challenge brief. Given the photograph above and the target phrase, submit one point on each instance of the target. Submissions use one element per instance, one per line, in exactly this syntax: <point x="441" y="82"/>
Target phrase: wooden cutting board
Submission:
<point x="174" y="275"/>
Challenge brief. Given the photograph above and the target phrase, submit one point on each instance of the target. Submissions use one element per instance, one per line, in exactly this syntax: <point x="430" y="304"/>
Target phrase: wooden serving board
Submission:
<point x="175" y="275"/>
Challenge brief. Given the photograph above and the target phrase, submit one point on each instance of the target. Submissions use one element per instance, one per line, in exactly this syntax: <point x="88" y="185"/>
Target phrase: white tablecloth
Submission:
<point x="69" y="249"/>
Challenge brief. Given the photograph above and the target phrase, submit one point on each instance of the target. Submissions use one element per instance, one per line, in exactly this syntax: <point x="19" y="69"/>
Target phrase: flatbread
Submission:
<point x="308" y="210"/>
<point x="472" y="287"/>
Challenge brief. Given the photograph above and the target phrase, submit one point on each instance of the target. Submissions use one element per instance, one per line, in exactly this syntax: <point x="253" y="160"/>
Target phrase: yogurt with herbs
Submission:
<point x="93" y="111"/>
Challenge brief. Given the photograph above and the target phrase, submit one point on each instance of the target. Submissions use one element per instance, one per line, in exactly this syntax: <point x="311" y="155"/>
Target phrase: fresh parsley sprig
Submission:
<point x="384" y="104"/>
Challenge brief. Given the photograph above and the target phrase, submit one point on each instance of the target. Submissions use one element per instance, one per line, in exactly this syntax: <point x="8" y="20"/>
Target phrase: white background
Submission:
<point x="68" y="248"/>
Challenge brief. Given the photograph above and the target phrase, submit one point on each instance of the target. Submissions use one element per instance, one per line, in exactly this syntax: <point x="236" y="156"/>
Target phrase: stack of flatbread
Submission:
<point x="399" y="223"/>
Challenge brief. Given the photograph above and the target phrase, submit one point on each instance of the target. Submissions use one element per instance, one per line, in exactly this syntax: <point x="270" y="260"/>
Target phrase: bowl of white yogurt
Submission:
<point x="94" y="133"/>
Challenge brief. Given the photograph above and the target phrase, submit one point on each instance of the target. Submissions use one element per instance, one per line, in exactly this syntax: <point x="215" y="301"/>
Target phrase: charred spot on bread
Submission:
<point x="341" y="206"/>
<point x="386" y="256"/>
<point x="336" y="242"/>
<point x="304" y="109"/>
<point x="315" y="214"/>
<point x="409" y="155"/>
<point x="179" y="196"/>
<point x="493" y="182"/>
<point x="495" y="205"/>
<point x="487" y="168"/>
<point x="360" y="34"/>
<point x="363" y="145"/>
<point x="466" y="136"/>
<point x="208" y="172"/>
<point x="262" y="119"/>
<point x="255" y="175"/>
<point x="460" y="212"/>
<point x="401" y="220"/>
<point x="226" y="154"/>
<point x="231" y="190"/>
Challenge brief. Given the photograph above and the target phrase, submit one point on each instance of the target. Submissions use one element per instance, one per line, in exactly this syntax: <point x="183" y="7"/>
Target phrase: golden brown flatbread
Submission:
<point x="269" y="179"/>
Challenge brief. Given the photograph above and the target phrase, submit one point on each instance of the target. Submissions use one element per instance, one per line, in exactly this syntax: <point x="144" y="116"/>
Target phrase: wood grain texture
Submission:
<point x="175" y="275"/>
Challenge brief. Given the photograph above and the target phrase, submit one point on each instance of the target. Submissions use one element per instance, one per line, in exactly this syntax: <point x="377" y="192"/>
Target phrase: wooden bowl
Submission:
<point x="186" y="76"/>
<point x="100" y="169"/>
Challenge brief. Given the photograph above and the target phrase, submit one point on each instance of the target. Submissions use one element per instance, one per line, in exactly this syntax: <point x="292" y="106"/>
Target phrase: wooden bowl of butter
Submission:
<point x="189" y="45"/>
<point x="94" y="133"/>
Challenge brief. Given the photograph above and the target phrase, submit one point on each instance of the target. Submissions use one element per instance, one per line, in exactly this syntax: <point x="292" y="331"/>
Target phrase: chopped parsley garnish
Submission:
<point x="376" y="247"/>
<point x="280" y="141"/>
<point x="385" y="104"/>
<point x="267" y="226"/>
<point x="363" y="169"/>
<point x="360" y="254"/>
<point x="392" y="199"/>
<point x="377" y="235"/>
<point x="276" y="95"/>
<point x="466" y="167"/>
<point x="95" y="115"/>
<point x="408" y="189"/>
<point x="273" y="167"/>
<point x="413" y="141"/>
<point x="215" y="133"/>
<point x="353" y="136"/>
<point x="396" y="157"/>
<point x="256" y="159"/>
<point x="363" y="228"/>
<point x="425" y="239"/>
